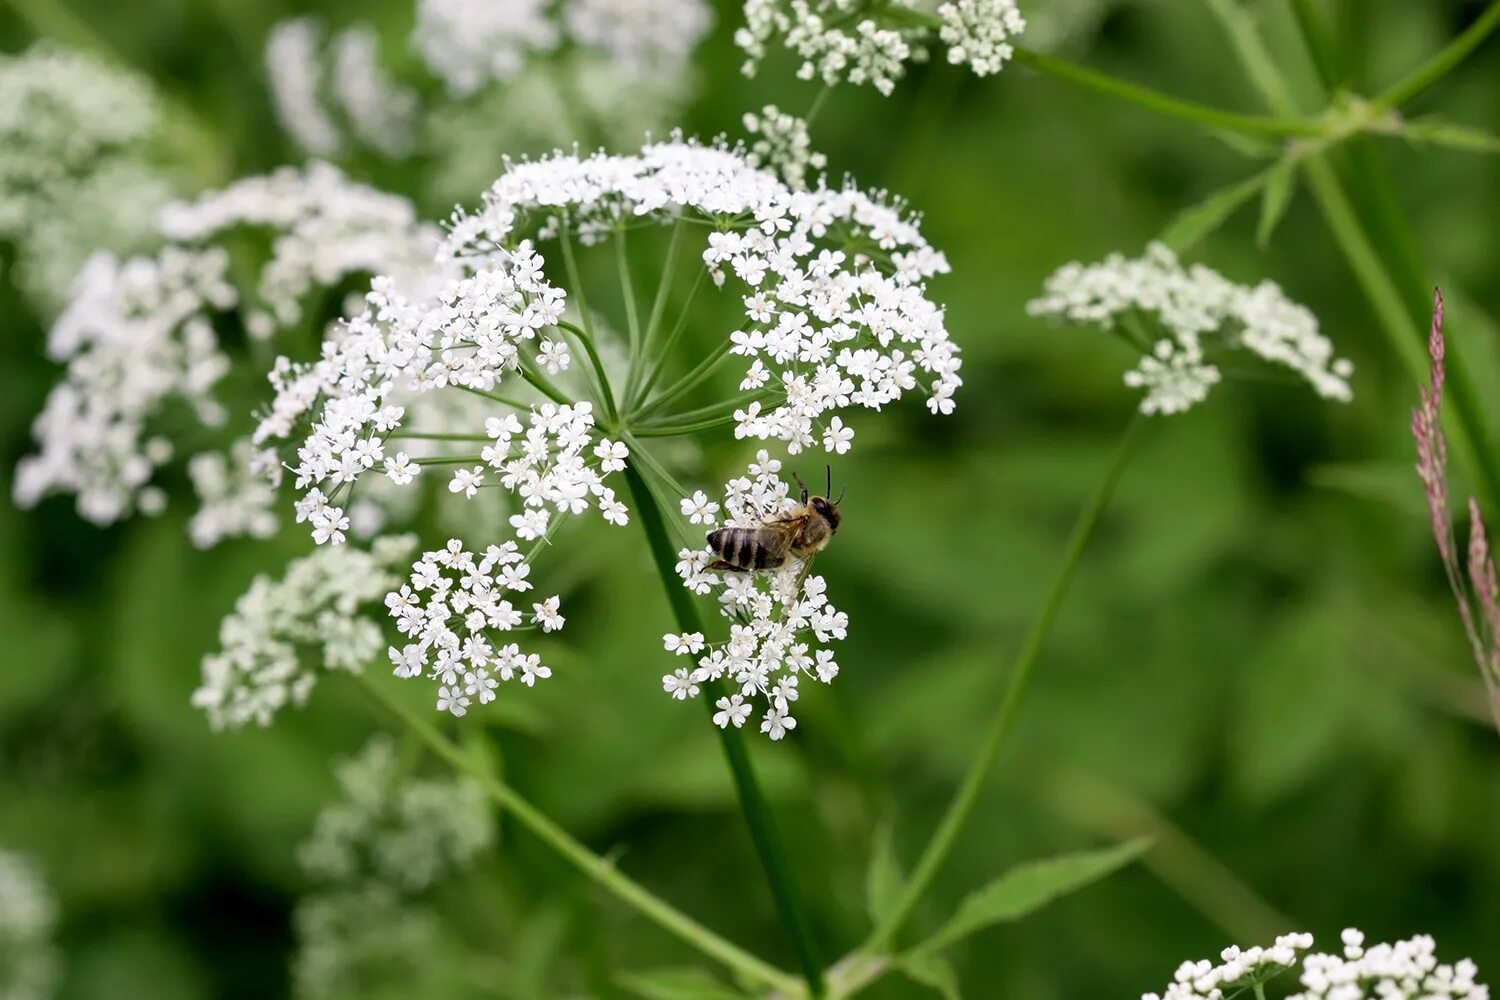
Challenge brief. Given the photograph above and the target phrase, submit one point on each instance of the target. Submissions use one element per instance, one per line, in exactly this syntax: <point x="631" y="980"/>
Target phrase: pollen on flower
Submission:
<point x="779" y="621"/>
<point x="1194" y="315"/>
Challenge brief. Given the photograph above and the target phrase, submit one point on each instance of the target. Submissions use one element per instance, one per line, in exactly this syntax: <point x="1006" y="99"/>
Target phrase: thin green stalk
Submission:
<point x="649" y="382"/>
<point x="658" y="308"/>
<point x="627" y="288"/>
<point x="601" y="870"/>
<point x="423" y="436"/>
<point x="753" y="804"/>
<point x="1444" y="61"/>
<point x="689" y="381"/>
<point x="967" y="796"/>
<point x="1175" y="107"/>
<point x="681" y="428"/>
<point x="595" y="363"/>
<point x="543" y="385"/>
<point x="575" y="286"/>
<point x="641" y="453"/>
<point x="495" y="397"/>
<point x="1320" y="44"/>
<point x="1403" y="323"/>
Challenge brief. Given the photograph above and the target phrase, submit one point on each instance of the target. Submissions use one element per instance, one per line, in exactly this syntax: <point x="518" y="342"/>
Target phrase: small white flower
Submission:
<point x="777" y="723"/>
<point x="680" y="684"/>
<point x="467" y="481"/>
<point x="401" y="469"/>
<point x="732" y="710"/>
<point x="553" y="356"/>
<point x="688" y="643"/>
<point x="546" y="614"/>
<point x="838" y="438"/>
<point x="699" y="509"/>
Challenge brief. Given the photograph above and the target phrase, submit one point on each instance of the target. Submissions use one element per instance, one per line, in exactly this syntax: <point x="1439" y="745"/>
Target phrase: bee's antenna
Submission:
<point x="841" y="496"/>
<point x="829" y="492"/>
<point x="802" y="485"/>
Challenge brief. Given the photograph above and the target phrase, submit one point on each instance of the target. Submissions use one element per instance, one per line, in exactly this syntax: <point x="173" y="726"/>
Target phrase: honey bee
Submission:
<point x="799" y="533"/>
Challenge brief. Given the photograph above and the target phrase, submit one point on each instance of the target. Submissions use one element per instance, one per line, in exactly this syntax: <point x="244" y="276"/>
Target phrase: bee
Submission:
<point x="797" y="533"/>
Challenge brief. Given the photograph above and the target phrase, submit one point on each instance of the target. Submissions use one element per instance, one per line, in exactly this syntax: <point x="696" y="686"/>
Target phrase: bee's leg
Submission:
<point x="720" y="566"/>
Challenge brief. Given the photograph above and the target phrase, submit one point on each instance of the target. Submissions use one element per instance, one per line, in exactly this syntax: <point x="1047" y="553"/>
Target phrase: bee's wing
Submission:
<point x="776" y="536"/>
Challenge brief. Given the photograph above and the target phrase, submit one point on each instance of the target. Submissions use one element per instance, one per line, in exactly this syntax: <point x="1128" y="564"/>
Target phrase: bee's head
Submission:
<point x="827" y="510"/>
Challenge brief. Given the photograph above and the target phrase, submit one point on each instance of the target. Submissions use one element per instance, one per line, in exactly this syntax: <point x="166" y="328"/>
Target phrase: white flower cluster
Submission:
<point x="320" y="612"/>
<point x="74" y="176"/>
<point x="840" y="40"/>
<point x="28" y="959"/>
<point x="1197" y="310"/>
<point x="236" y="498"/>
<point x="978" y="32"/>
<point x="639" y="37"/>
<point x="1236" y="970"/>
<point x="782" y="144"/>
<point x="471" y="42"/>
<point x="315" y="90"/>
<point x="469" y="338"/>
<point x="400" y="831"/>
<point x="1406" y="970"/>
<point x="451" y="608"/>
<point x="388" y="839"/>
<point x="139" y="335"/>
<point x="780" y="619"/>
<point x="824" y="329"/>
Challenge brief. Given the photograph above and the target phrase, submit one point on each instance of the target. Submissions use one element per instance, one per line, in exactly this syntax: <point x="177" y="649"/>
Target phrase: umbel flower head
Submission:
<point x="139" y="338"/>
<point x="387" y="840"/>
<point x="1479" y="600"/>
<point x="829" y="287"/>
<point x="76" y="175"/>
<point x="1187" y="321"/>
<point x="28" y="914"/>
<point x="1406" y="970"/>
<point x="839" y="40"/>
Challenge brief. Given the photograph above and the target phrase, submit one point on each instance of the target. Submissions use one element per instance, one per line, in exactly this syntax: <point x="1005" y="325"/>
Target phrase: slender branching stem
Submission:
<point x="649" y="382"/>
<point x="575" y="287"/>
<point x="658" y="310"/>
<point x="753" y="805"/>
<point x="1444" y="61"/>
<point x="883" y="937"/>
<point x="632" y="315"/>
<point x="606" y="396"/>
<point x="495" y="397"/>
<point x="701" y="371"/>
<point x="601" y="870"/>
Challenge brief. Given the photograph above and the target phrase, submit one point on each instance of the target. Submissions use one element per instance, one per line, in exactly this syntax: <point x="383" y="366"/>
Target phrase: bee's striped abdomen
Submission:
<point x="748" y="548"/>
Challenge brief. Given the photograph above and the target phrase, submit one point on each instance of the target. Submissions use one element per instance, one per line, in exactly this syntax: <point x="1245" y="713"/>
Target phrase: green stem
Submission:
<point x="658" y="307"/>
<point x="1320" y="44"/>
<point x="602" y="871"/>
<point x="422" y="436"/>
<point x="632" y="316"/>
<point x="967" y="796"/>
<point x="1165" y="104"/>
<point x="605" y="395"/>
<point x="575" y="286"/>
<point x="689" y="381"/>
<point x="649" y="382"/>
<point x="495" y="397"/>
<point x="542" y="384"/>
<point x="1401" y="316"/>
<point x="682" y="428"/>
<point x="753" y="804"/>
<point x="1441" y="64"/>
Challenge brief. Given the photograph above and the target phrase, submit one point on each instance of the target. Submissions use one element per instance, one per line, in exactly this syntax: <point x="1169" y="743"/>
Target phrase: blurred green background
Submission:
<point x="1259" y="663"/>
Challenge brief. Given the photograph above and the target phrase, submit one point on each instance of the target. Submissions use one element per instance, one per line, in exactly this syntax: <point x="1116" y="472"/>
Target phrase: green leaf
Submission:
<point x="884" y="877"/>
<point x="933" y="971"/>
<point x="1390" y="483"/>
<point x="676" y="984"/>
<point x="1027" y="888"/>
<point x="1454" y="136"/>
<point x="1197" y="221"/>
<point x="1275" y="199"/>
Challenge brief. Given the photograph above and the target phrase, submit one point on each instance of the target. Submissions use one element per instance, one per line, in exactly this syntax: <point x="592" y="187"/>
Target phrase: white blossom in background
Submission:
<point x="236" y="496"/>
<point x="29" y="966"/>
<point x="75" y="169"/>
<point x="639" y="35"/>
<point x="139" y="335"/>
<point x="782" y="143"/>
<point x="469" y="43"/>
<point x="1406" y="970"/>
<point x="824" y="328"/>
<point x="332" y="91"/>
<point x="1193" y="316"/>
<point x="386" y="840"/>
<point x="780" y="621"/>
<point x="322" y="614"/>
<point x="295" y="71"/>
<point x="458" y="610"/>
<point x="401" y="831"/>
<point x="837" y="41"/>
